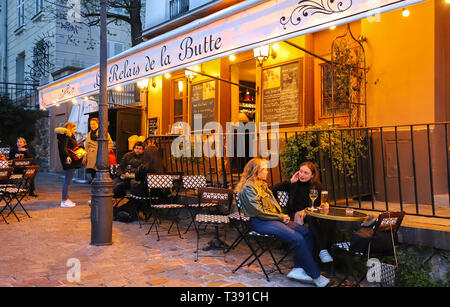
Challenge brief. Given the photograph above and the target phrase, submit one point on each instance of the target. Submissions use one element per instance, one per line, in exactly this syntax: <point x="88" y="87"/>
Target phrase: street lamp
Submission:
<point x="102" y="207"/>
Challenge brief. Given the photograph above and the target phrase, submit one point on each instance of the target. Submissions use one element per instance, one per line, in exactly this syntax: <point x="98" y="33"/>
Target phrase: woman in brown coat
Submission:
<point x="91" y="147"/>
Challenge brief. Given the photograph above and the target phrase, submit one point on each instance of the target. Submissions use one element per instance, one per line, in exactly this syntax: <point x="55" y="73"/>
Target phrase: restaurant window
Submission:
<point x="179" y="89"/>
<point x="340" y="105"/>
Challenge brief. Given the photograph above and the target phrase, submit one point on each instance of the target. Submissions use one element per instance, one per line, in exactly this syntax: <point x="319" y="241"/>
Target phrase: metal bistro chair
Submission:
<point x="5" y="174"/>
<point x="262" y="242"/>
<point x="221" y="197"/>
<point x="19" y="164"/>
<point x="194" y="183"/>
<point x="157" y="204"/>
<point x="375" y="240"/>
<point x="19" y="189"/>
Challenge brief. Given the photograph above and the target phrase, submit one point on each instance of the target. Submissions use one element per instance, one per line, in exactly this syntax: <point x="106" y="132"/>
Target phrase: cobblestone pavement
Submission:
<point x="44" y="250"/>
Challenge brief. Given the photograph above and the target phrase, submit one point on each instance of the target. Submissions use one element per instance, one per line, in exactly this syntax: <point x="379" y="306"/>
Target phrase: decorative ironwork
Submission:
<point x="307" y="8"/>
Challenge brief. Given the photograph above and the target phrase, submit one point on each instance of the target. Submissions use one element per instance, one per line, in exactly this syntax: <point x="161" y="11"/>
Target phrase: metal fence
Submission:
<point x="21" y="93"/>
<point x="389" y="168"/>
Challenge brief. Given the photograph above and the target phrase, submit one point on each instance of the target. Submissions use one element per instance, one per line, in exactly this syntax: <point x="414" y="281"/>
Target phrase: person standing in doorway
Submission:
<point x="66" y="144"/>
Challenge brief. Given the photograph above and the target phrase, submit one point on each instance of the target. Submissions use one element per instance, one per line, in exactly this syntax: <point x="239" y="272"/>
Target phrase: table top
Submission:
<point x="336" y="214"/>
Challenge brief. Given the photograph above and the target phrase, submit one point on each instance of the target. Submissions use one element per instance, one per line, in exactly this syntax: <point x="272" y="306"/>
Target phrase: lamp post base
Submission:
<point x="102" y="209"/>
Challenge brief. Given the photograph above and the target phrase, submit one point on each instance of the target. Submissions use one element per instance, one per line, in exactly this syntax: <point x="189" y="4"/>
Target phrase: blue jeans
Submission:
<point x="297" y="236"/>
<point x="68" y="176"/>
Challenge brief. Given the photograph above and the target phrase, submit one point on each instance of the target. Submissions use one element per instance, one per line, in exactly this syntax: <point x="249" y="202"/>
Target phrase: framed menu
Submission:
<point x="203" y="101"/>
<point x="153" y="126"/>
<point x="282" y="93"/>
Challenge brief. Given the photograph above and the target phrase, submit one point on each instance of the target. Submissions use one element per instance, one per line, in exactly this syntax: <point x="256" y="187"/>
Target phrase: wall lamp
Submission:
<point x="262" y="53"/>
<point x="189" y="72"/>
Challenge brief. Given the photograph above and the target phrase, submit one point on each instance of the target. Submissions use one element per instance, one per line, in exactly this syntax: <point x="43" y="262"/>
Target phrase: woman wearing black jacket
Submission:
<point x="66" y="143"/>
<point x="21" y="151"/>
<point x="298" y="187"/>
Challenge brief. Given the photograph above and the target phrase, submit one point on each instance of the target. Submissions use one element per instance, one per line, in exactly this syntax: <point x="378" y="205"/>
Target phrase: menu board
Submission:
<point x="203" y="101"/>
<point x="153" y="126"/>
<point x="282" y="95"/>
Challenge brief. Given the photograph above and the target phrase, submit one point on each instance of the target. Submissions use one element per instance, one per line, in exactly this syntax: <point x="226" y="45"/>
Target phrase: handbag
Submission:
<point x="112" y="157"/>
<point x="387" y="271"/>
<point x="77" y="153"/>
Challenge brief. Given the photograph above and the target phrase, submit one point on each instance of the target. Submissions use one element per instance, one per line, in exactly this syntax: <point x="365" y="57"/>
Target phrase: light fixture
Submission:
<point x="57" y="105"/>
<point x="74" y="101"/>
<point x="180" y="85"/>
<point x="405" y="12"/>
<point x="261" y="54"/>
<point x="86" y="98"/>
<point x="332" y="27"/>
<point x="447" y="1"/>
<point x="190" y="74"/>
<point x="142" y="84"/>
<point x="167" y="75"/>
<point x="118" y="88"/>
<point x="233" y="57"/>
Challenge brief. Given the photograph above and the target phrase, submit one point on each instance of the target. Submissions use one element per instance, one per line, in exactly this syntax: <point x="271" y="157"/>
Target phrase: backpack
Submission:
<point x="125" y="213"/>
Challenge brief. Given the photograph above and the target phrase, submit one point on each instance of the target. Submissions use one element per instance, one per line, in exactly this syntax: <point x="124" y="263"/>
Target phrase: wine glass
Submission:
<point x="313" y="194"/>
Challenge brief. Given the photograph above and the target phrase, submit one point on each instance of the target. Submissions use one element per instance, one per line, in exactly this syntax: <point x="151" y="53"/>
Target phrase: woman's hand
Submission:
<point x="286" y="219"/>
<point x="294" y="177"/>
<point x="299" y="217"/>
<point x="324" y="205"/>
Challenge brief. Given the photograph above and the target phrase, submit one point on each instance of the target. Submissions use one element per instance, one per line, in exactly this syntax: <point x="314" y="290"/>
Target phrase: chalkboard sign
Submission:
<point x="153" y="126"/>
<point x="203" y="101"/>
<point x="282" y="95"/>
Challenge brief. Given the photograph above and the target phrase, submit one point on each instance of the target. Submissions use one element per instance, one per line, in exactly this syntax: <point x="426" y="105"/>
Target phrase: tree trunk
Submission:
<point x="136" y="23"/>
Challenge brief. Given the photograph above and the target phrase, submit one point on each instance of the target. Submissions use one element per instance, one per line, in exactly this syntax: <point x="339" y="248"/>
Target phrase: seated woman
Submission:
<point x="298" y="187"/>
<point x="267" y="217"/>
<point x="21" y="151"/>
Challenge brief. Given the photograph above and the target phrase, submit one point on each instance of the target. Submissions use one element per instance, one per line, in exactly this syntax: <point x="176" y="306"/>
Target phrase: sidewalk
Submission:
<point x="38" y="251"/>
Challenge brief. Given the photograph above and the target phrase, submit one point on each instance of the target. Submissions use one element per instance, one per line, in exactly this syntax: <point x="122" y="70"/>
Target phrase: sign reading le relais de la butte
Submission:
<point x="242" y="27"/>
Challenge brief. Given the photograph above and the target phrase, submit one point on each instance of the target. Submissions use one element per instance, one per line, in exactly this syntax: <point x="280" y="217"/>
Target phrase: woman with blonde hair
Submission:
<point x="66" y="144"/>
<point x="266" y="217"/>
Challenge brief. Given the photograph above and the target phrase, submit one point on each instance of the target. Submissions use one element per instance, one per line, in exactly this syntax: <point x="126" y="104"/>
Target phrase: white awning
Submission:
<point x="238" y="28"/>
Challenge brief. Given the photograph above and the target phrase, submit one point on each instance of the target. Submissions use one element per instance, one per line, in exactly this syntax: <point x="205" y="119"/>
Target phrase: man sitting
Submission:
<point x="128" y="165"/>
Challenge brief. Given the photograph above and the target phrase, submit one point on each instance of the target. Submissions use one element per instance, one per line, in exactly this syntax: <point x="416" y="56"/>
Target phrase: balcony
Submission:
<point x="25" y="94"/>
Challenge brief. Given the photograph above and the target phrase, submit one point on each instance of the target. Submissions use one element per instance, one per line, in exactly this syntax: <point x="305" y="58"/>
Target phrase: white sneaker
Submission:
<point x="321" y="281"/>
<point x="71" y="202"/>
<point x="67" y="204"/>
<point x="300" y="275"/>
<point x="325" y="257"/>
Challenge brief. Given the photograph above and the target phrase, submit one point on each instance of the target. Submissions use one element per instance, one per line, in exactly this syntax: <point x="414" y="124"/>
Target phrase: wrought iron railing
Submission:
<point x="178" y="7"/>
<point x="393" y="168"/>
<point x="21" y="93"/>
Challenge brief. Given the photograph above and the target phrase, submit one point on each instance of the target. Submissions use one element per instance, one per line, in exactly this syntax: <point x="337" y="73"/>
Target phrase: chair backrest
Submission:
<point x="159" y="181"/>
<point x="389" y="220"/>
<point x="175" y="175"/>
<point x="31" y="171"/>
<point x="194" y="181"/>
<point x="283" y="198"/>
<point x="216" y="195"/>
<point x="22" y="162"/>
<point x="5" y="173"/>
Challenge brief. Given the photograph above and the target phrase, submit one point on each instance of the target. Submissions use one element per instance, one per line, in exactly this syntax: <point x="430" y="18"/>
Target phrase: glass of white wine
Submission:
<point x="313" y="194"/>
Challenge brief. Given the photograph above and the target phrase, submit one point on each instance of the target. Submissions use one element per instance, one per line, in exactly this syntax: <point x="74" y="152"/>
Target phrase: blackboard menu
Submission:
<point x="153" y="126"/>
<point x="203" y="101"/>
<point x="282" y="93"/>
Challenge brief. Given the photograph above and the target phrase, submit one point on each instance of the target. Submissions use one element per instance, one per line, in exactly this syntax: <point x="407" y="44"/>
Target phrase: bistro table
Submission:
<point x="336" y="215"/>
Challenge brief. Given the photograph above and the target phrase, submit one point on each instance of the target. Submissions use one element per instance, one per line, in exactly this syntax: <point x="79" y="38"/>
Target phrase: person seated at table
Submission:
<point x="127" y="167"/>
<point x="3" y="157"/>
<point x="266" y="217"/>
<point x="21" y="151"/>
<point x="151" y="164"/>
<point x="298" y="187"/>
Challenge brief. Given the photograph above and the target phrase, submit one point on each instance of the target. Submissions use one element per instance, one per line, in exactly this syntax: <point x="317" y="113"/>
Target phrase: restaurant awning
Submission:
<point x="242" y="27"/>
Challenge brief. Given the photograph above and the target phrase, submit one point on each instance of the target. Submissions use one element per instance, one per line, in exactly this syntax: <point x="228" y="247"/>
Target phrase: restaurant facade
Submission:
<point x="271" y="63"/>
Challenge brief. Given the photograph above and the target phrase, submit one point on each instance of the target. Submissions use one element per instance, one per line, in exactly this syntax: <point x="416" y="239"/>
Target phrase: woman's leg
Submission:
<point x="68" y="176"/>
<point x="297" y="236"/>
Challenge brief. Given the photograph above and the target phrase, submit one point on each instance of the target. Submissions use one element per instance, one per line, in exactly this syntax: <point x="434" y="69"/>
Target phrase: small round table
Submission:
<point x="336" y="214"/>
